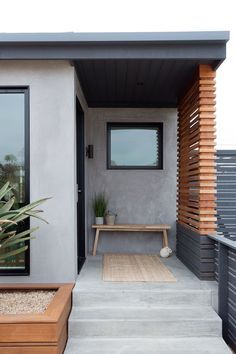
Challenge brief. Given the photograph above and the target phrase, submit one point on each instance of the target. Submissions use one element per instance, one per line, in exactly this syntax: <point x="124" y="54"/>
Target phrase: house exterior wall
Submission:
<point x="52" y="165"/>
<point x="138" y="196"/>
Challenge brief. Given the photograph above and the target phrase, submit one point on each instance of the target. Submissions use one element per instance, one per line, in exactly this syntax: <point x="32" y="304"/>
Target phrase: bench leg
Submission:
<point x="96" y="242"/>
<point x="165" y="239"/>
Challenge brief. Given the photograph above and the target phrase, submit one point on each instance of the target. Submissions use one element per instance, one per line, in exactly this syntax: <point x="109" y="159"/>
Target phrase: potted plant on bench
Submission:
<point x="99" y="207"/>
<point x="110" y="217"/>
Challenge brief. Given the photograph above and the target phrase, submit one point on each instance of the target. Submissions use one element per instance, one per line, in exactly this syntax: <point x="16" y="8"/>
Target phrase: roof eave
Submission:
<point x="114" y="37"/>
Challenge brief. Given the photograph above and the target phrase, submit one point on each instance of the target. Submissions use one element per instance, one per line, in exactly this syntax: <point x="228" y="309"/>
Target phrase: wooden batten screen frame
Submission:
<point x="196" y="154"/>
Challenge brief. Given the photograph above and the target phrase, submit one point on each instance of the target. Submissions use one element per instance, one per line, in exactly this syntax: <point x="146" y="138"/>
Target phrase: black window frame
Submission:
<point x="26" y="91"/>
<point x="132" y="125"/>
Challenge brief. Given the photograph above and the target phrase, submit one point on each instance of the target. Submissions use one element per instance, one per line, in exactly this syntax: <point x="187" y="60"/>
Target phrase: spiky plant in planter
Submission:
<point x="99" y="207"/>
<point x="10" y="219"/>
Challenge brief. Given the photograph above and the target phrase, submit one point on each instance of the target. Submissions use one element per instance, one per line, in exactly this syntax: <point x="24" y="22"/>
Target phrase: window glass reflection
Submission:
<point x="12" y="152"/>
<point x="134" y="146"/>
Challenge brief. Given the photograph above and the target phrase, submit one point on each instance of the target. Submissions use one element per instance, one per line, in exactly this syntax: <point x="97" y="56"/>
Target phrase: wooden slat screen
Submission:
<point x="196" y="154"/>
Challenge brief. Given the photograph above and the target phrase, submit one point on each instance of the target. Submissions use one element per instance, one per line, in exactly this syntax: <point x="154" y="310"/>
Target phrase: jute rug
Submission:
<point x="133" y="267"/>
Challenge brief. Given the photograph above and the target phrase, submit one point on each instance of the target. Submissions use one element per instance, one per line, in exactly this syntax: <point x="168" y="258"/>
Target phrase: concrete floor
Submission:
<point x="90" y="278"/>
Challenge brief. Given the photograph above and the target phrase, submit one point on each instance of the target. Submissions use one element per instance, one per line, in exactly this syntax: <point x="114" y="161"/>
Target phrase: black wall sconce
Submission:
<point x="89" y="151"/>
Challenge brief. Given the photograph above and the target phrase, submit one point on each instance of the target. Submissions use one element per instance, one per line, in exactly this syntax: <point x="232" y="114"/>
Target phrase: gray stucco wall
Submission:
<point x="138" y="196"/>
<point x="52" y="164"/>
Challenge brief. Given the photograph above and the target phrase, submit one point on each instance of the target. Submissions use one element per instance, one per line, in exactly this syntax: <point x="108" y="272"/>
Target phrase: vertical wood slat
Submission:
<point x="196" y="154"/>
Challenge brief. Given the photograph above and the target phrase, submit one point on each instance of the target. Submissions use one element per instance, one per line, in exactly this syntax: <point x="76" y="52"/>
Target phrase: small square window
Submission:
<point x="134" y="145"/>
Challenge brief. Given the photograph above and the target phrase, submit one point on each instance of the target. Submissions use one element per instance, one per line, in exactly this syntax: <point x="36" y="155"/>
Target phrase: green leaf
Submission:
<point x="6" y="221"/>
<point x="7" y="206"/>
<point x="36" y="216"/>
<point x="4" y="190"/>
<point x="8" y="214"/>
<point x="32" y="205"/>
<point x="20" y="217"/>
<point x="9" y="218"/>
<point x="13" y="253"/>
<point x="9" y="244"/>
<point x="27" y="208"/>
<point x="4" y="234"/>
<point x="99" y="204"/>
<point x="24" y="233"/>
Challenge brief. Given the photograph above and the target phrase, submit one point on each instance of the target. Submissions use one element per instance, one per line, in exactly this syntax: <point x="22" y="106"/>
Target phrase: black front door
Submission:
<point x="80" y="185"/>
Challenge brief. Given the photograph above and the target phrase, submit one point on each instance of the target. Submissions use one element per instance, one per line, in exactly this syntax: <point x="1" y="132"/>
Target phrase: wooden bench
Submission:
<point x="129" y="228"/>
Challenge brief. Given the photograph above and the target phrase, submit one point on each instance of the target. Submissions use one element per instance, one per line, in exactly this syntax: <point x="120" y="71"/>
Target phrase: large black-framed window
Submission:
<point x="135" y="146"/>
<point x="14" y="162"/>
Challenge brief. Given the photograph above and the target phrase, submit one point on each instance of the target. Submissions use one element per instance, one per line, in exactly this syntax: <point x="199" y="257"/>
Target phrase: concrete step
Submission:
<point x="147" y="346"/>
<point x="152" y="322"/>
<point x="142" y="298"/>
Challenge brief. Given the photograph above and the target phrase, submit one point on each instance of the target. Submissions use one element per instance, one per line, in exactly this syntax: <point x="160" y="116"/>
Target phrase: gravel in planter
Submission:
<point x="16" y="302"/>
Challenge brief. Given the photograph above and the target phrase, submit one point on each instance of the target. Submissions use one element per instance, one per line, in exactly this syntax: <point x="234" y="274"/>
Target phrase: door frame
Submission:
<point x="80" y="185"/>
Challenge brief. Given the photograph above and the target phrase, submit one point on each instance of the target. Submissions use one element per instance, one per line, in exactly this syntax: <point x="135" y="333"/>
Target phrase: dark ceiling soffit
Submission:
<point x="209" y="52"/>
<point x="114" y="37"/>
<point x="131" y="105"/>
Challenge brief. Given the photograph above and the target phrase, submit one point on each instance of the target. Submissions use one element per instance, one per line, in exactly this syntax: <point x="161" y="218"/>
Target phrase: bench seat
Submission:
<point x="129" y="228"/>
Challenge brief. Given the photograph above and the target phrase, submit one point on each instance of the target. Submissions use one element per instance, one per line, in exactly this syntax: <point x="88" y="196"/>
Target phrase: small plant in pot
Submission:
<point x="110" y="218"/>
<point x="99" y="207"/>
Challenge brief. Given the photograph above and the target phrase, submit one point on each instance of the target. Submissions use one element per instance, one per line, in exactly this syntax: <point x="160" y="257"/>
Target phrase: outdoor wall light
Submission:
<point x="89" y="151"/>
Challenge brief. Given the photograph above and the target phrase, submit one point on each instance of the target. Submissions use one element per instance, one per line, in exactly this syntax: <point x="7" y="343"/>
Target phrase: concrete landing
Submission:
<point x="144" y="318"/>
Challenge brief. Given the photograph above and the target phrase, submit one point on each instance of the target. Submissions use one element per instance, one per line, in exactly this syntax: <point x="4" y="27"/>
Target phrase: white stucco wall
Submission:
<point x="52" y="164"/>
<point x="138" y="196"/>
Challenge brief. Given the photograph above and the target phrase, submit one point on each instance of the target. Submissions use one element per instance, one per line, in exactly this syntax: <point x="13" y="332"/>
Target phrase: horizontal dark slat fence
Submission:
<point x="226" y="199"/>
<point x="225" y="242"/>
<point x="196" y="252"/>
<point x="226" y="276"/>
<point x="226" y="193"/>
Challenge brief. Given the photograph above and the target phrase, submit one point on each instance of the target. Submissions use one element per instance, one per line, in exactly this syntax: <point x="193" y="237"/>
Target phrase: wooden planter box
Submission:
<point x="37" y="333"/>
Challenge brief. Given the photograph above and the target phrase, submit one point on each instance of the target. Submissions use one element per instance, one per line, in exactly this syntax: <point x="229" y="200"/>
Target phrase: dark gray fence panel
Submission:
<point x="196" y="252"/>
<point x="225" y="248"/>
<point x="226" y="197"/>
<point x="227" y="288"/>
<point x="226" y="193"/>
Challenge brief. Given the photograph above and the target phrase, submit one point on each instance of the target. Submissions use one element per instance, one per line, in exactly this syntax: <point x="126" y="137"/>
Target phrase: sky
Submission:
<point x="138" y="16"/>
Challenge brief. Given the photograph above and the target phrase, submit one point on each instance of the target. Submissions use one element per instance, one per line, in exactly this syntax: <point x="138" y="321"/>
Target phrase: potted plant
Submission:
<point x="110" y="218"/>
<point x="99" y="207"/>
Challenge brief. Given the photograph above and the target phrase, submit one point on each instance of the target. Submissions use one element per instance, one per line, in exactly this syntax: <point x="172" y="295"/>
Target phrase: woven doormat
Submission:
<point x="127" y="267"/>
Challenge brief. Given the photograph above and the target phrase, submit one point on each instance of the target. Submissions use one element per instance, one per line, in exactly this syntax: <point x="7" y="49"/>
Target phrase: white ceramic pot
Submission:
<point x="165" y="252"/>
<point x="110" y="219"/>
<point x="99" y="220"/>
